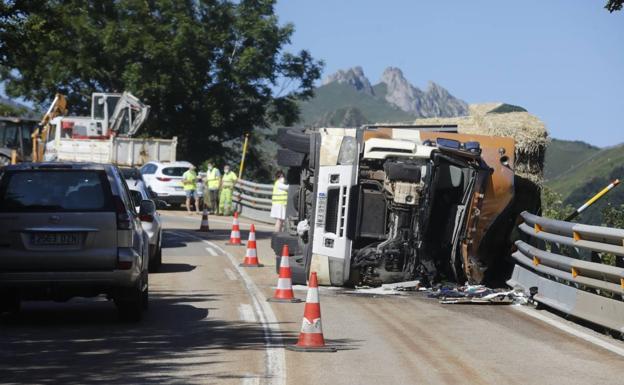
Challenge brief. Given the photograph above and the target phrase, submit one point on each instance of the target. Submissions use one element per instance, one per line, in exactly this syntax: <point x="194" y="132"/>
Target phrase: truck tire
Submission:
<point x="293" y="139"/>
<point x="289" y="158"/>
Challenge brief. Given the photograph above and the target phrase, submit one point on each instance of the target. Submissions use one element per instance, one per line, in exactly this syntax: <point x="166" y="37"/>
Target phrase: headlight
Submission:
<point x="348" y="151"/>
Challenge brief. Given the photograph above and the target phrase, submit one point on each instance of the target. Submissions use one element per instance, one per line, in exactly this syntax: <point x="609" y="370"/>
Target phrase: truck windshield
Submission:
<point x="55" y="191"/>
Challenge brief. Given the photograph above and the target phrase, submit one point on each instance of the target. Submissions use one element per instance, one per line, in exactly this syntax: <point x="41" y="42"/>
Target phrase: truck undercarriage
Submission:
<point x="379" y="210"/>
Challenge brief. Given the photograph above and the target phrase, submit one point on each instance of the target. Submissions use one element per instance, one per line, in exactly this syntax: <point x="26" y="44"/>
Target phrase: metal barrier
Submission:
<point x="253" y="200"/>
<point x="588" y="290"/>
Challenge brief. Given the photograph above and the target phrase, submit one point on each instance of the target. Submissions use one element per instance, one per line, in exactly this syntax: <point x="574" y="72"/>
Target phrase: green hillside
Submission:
<point x="587" y="176"/>
<point x="334" y="96"/>
<point x="564" y="155"/>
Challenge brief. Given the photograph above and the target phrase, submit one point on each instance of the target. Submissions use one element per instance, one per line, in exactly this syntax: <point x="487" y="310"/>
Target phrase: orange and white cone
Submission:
<point x="284" y="291"/>
<point x="311" y="336"/>
<point x="205" y="227"/>
<point x="251" y="255"/>
<point x="235" y="237"/>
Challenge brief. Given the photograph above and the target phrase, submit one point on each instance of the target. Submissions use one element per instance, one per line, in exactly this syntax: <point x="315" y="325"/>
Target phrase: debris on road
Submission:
<point x="402" y="286"/>
<point x="477" y="294"/>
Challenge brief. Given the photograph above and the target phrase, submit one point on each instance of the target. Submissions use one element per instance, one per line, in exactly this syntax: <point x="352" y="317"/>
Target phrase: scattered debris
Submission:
<point x="402" y="286"/>
<point x="478" y="294"/>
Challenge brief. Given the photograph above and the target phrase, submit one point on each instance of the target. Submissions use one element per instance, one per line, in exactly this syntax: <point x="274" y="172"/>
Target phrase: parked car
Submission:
<point x="69" y="230"/>
<point x="165" y="180"/>
<point x="152" y="224"/>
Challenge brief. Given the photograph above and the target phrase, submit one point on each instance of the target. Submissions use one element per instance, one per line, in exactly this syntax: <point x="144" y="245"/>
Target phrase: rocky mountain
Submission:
<point x="434" y="102"/>
<point x="353" y="77"/>
<point x="347" y="98"/>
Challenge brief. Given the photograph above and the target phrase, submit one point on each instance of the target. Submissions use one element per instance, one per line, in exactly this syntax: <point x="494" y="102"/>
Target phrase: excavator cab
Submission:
<point x="121" y="114"/>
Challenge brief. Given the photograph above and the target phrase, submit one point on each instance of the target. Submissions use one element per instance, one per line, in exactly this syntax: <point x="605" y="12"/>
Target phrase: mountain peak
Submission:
<point x="436" y="101"/>
<point x="354" y="77"/>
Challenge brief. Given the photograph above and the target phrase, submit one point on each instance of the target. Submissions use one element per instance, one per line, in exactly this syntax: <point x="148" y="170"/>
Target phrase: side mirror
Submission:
<point x="147" y="209"/>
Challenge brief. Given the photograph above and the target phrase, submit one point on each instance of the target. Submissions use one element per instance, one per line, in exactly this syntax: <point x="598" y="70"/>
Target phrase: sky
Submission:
<point x="561" y="60"/>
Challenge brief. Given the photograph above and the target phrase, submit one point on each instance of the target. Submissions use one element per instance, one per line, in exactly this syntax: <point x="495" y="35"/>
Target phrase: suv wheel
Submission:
<point x="132" y="302"/>
<point x="9" y="303"/>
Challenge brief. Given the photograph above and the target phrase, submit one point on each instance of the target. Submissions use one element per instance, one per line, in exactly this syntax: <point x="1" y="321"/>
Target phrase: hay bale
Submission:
<point x="493" y="119"/>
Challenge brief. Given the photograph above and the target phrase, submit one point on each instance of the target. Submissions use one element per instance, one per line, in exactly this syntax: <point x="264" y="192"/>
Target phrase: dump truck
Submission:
<point x="106" y="136"/>
<point x="389" y="203"/>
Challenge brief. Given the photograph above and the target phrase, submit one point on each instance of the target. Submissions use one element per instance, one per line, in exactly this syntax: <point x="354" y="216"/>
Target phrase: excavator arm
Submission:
<point x="40" y="135"/>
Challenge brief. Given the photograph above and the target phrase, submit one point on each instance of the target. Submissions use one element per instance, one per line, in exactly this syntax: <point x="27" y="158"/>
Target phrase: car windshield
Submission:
<point x="55" y="191"/>
<point x="174" y="171"/>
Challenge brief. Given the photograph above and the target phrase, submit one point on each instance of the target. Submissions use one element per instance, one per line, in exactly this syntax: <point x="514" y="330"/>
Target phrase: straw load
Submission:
<point x="499" y="119"/>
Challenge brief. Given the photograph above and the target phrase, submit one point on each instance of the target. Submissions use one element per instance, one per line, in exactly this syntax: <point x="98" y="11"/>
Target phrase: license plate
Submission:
<point x="178" y="188"/>
<point x="55" y="239"/>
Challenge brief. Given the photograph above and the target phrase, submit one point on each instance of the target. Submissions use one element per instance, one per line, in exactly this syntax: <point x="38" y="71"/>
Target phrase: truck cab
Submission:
<point x="382" y="204"/>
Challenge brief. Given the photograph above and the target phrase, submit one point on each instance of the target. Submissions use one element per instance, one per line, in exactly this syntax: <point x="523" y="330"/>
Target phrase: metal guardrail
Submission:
<point x="586" y="289"/>
<point x="253" y="200"/>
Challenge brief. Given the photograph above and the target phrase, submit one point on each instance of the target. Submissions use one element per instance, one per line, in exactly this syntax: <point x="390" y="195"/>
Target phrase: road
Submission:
<point x="209" y="323"/>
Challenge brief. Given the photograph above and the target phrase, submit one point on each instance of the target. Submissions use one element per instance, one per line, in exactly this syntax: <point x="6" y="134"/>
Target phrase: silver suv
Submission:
<point x="68" y="230"/>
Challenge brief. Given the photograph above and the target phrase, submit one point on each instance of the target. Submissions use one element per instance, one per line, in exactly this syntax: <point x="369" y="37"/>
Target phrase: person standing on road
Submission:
<point x="227" y="188"/>
<point x="189" y="181"/>
<point x="213" y="180"/>
<point x="200" y="188"/>
<point x="279" y="201"/>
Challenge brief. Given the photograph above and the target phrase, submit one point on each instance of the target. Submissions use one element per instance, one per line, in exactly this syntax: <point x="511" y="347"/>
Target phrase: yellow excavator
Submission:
<point x="40" y="135"/>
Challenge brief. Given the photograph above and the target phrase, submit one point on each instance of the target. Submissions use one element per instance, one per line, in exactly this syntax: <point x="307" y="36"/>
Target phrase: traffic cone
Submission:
<point x="204" y="222"/>
<point x="311" y="336"/>
<point x="284" y="291"/>
<point x="235" y="237"/>
<point x="251" y="256"/>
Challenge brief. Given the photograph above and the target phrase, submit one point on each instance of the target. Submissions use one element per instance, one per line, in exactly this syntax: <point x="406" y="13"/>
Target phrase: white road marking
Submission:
<point x="570" y="330"/>
<point x="211" y="251"/>
<point x="275" y="358"/>
<point x="246" y="313"/>
<point x="251" y="381"/>
<point x="230" y="274"/>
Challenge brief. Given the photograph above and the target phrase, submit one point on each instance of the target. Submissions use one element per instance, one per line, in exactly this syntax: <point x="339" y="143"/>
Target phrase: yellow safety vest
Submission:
<point x="213" y="179"/>
<point x="228" y="180"/>
<point x="280" y="197"/>
<point x="189" y="178"/>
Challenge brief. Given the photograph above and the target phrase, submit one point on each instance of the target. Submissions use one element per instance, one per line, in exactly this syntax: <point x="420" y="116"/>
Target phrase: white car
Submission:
<point x="165" y="180"/>
<point x="152" y="224"/>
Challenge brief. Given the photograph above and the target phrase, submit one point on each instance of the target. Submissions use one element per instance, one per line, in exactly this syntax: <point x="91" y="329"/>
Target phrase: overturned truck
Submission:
<point x="381" y="204"/>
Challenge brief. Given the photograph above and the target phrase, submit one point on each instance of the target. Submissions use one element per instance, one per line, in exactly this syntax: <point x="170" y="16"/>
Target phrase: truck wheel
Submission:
<point x="289" y="158"/>
<point x="293" y="139"/>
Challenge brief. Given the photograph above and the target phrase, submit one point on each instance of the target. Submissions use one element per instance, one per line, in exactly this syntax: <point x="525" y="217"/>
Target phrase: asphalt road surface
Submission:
<point x="209" y="323"/>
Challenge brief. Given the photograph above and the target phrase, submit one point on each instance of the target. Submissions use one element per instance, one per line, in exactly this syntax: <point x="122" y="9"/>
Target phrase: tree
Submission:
<point x="207" y="68"/>
<point x="614" y="5"/>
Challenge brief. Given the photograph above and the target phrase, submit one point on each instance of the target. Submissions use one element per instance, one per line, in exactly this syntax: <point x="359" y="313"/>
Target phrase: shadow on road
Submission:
<point x="175" y="268"/>
<point x="83" y="342"/>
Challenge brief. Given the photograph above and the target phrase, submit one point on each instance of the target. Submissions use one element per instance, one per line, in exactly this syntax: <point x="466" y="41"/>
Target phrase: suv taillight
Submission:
<point x="160" y="178"/>
<point x="124" y="221"/>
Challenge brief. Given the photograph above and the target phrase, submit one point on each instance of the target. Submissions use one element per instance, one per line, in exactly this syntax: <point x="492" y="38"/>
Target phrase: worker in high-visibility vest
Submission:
<point x="227" y="188"/>
<point x="213" y="181"/>
<point x="279" y="201"/>
<point x="189" y="181"/>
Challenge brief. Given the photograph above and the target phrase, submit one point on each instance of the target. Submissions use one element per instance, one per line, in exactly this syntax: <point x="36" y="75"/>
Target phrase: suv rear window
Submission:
<point x="55" y="191"/>
<point x="174" y="171"/>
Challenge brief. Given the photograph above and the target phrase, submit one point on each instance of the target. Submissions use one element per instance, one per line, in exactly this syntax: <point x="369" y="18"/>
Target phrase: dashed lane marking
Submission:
<point x="211" y="251"/>
<point x="275" y="358"/>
